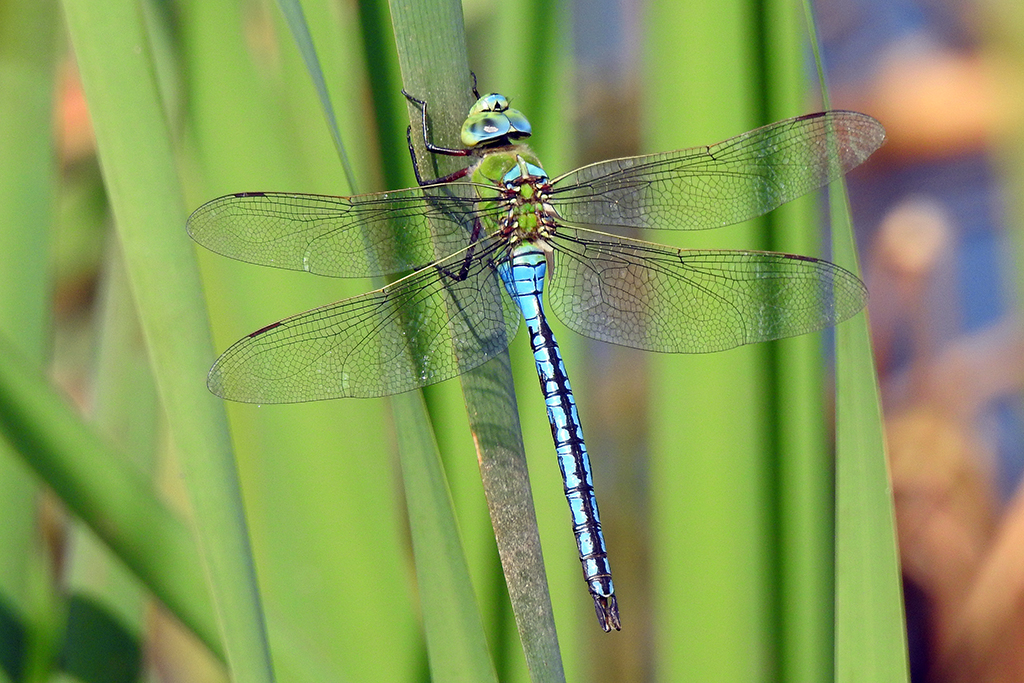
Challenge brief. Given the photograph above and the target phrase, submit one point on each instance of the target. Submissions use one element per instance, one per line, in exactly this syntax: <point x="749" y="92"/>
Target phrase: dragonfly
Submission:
<point x="477" y="248"/>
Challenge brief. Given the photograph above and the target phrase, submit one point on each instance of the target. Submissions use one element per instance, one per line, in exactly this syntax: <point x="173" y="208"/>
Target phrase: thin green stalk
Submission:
<point x="292" y="11"/>
<point x="803" y="455"/>
<point x="870" y="631"/>
<point x="28" y="179"/>
<point x="457" y="648"/>
<point x="107" y="493"/>
<point x="431" y="48"/>
<point x="711" y="430"/>
<point x="135" y="149"/>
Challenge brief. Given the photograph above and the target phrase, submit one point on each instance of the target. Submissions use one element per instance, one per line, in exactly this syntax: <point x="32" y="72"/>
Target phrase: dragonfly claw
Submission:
<point x="607" y="608"/>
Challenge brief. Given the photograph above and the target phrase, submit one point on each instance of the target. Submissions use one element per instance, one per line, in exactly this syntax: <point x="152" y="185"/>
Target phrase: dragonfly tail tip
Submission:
<point x="607" y="608"/>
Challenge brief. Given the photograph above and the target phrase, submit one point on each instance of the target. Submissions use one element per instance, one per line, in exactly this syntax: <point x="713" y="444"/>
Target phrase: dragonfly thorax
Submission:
<point x="515" y="179"/>
<point x="492" y="123"/>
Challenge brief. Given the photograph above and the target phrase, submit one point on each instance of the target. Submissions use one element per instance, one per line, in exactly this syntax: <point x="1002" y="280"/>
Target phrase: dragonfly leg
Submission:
<point x="412" y="155"/>
<point x="431" y="147"/>
<point x="451" y="177"/>
<point x="463" y="271"/>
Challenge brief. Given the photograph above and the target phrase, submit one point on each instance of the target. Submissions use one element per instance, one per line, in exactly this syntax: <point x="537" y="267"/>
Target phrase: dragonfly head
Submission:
<point x="492" y="123"/>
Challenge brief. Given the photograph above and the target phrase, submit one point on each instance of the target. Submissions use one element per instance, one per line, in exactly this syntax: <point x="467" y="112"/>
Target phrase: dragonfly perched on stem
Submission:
<point x="482" y="243"/>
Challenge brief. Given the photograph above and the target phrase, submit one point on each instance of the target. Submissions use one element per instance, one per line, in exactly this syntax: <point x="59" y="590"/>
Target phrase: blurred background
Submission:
<point x="718" y="514"/>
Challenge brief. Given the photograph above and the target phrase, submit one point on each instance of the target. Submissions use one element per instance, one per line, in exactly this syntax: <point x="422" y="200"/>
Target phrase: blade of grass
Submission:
<point x="464" y="618"/>
<point x="870" y="633"/>
<point x="539" y="84"/>
<point x="139" y="171"/>
<point x="803" y="533"/>
<point x="431" y="48"/>
<point x="871" y="642"/>
<point x="317" y="477"/>
<point x="455" y="638"/>
<point x="711" y="434"/>
<point x="28" y="178"/>
<point x="457" y="648"/>
<point x="104" y="491"/>
<point x="292" y="11"/>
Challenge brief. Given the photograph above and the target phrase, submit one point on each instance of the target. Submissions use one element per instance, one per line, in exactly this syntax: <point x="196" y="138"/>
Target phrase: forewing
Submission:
<point x="427" y="327"/>
<point x="361" y="236"/>
<point x="656" y="298"/>
<point x="732" y="181"/>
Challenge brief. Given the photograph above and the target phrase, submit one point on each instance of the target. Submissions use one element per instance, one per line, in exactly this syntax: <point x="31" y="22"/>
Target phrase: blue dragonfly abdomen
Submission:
<point x="523" y="276"/>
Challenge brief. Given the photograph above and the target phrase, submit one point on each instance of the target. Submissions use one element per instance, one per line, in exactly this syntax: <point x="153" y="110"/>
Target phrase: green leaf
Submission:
<point x="870" y="627"/>
<point x="135" y="148"/>
<point x="28" y="182"/>
<point x="101" y="488"/>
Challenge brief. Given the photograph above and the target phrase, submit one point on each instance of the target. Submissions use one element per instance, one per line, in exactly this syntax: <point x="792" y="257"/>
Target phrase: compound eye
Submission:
<point x="483" y="128"/>
<point x="494" y="102"/>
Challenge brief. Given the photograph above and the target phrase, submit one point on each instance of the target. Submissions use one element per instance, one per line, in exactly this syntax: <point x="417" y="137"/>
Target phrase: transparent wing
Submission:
<point x="732" y="181"/>
<point x="427" y="327"/>
<point x="657" y="298"/>
<point x="361" y="236"/>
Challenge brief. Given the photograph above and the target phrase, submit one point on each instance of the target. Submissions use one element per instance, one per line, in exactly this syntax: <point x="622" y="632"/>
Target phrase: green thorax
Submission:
<point x="497" y="166"/>
<point x="512" y="176"/>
